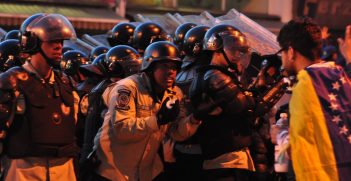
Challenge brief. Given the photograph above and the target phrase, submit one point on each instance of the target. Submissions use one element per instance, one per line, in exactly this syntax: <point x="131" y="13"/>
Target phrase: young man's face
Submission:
<point x="165" y="73"/>
<point x="287" y="62"/>
<point x="53" y="50"/>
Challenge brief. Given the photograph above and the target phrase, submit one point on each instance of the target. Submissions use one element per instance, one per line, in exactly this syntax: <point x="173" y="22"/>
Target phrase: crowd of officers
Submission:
<point x="151" y="107"/>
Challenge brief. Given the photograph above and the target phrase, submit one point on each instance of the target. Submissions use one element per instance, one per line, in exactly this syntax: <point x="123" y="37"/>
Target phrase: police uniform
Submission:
<point x="120" y="61"/>
<point x="39" y="143"/>
<point x="227" y="109"/>
<point x="128" y="141"/>
<point x="188" y="153"/>
<point x="226" y="134"/>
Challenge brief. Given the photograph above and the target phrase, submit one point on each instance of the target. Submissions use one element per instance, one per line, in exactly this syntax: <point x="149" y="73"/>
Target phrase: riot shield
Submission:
<point x="79" y="45"/>
<point x="96" y="40"/>
<point x="102" y="39"/>
<point x="136" y="23"/>
<point x="208" y="19"/>
<point x="259" y="38"/>
<point x="180" y="18"/>
<point x="203" y="19"/>
<point x="168" y="22"/>
<point x="141" y="18"/>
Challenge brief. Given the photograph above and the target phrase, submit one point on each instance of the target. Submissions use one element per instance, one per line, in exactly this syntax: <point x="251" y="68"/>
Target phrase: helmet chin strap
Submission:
<point x="231" y="66"/>
<point x="48" y="60"/>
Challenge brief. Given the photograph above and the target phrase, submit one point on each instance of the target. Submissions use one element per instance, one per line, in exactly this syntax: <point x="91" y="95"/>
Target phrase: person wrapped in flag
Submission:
<point x="320" y="106"/>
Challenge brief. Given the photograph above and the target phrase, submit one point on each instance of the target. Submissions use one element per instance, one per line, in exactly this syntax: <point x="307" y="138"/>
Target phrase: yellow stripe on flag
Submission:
<point x="312" y="151"/>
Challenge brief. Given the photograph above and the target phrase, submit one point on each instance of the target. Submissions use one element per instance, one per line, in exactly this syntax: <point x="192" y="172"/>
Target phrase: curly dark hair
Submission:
<point x="303" y="35"/>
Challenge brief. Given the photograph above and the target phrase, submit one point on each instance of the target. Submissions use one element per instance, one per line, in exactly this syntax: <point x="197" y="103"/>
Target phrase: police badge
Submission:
<point x="123" y="99"/>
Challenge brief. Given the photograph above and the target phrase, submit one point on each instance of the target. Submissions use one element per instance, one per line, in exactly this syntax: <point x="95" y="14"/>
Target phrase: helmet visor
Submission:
<point x="237" y="50"/>
<point x="53" y="27"/>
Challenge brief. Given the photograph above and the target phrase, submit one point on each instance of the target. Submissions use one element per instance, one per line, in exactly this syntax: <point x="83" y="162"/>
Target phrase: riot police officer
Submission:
<point x="38" y="126"/>
<point x="121" y="61"/>
<point x="97" y="51"/>
<point x="147" y="33"/>
<point x="142" y="108"/>
<point x="226" y="108"/>
<point x="188" y="153"/>
<point x="179" y="35"/>
<point x="12" y="35"/>
<point x="9" y="54"/>
<point x="122" y="34"/>
<point x="70" y="63"/>
<point x="96" y="68"/>
<point x="195" y="57"/>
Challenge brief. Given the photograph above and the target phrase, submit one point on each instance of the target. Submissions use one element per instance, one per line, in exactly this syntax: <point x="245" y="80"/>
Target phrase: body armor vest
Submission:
<point x="47" y="126"/>
<point x="183" y="80"/>
<point x="223" y="133"/>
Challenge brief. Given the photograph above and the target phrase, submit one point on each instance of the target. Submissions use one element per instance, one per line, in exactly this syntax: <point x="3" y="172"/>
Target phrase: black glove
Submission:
<point x="168" y="112"/>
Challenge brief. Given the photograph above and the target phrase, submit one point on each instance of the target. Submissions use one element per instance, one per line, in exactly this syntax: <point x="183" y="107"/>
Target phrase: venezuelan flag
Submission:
<point x="320" y="124"/>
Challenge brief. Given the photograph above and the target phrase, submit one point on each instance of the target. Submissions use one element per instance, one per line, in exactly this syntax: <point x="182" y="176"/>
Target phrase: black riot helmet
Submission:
<point x="66" y="49"/>
<point x="43" y="28"/>
<point x="229" y="41"/>
<point x="160" y="51"/>
<point x="28" y="20"/>
<point x="193" y="40"/>
<point x="13" y="34"/>
<point x="71" y="61"/>
<point x="147" y="33"/>
<point x="97" y="68"/>
<point x="9" y="54"/>
<point x="180" y="32"/>
<point x="122" y="34"/>
<point x="122" y="61"/>
<point x="97" y="51"/>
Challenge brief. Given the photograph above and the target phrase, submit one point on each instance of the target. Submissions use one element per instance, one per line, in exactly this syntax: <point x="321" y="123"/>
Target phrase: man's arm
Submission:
<point x="184" y="126"/>
<point x="128" y="126"/>
<point x="11" y="101"/>
<point x="345" y="48"/>
<point x="7" y="111"/>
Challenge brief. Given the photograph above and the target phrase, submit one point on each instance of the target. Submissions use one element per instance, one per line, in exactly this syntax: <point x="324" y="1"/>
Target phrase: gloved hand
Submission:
<point x="265" y="103"/>
<point x="169" y="111"/>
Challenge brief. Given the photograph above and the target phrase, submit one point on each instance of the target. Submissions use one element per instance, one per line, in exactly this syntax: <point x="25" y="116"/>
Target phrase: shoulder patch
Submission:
<point x="84" y="104"/>
<point x="123" y="98"/>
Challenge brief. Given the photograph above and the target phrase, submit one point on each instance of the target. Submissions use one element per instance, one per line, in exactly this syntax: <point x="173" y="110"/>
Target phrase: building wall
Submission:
<point x="249" y="6"/>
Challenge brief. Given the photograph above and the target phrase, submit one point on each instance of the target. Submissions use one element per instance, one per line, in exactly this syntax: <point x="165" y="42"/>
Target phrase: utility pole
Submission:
<point x="223" y="5"/>
<point x="174" y="3"/>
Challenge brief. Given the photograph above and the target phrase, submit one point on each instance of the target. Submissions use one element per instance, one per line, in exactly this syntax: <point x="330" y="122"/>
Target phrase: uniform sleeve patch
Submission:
<point x="84" y="104"/>
<point x="123" y="98"/>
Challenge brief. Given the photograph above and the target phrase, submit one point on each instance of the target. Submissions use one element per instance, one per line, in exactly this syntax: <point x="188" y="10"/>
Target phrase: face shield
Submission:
<point x="52" y="27"/>
<point x="236" y="50"/>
